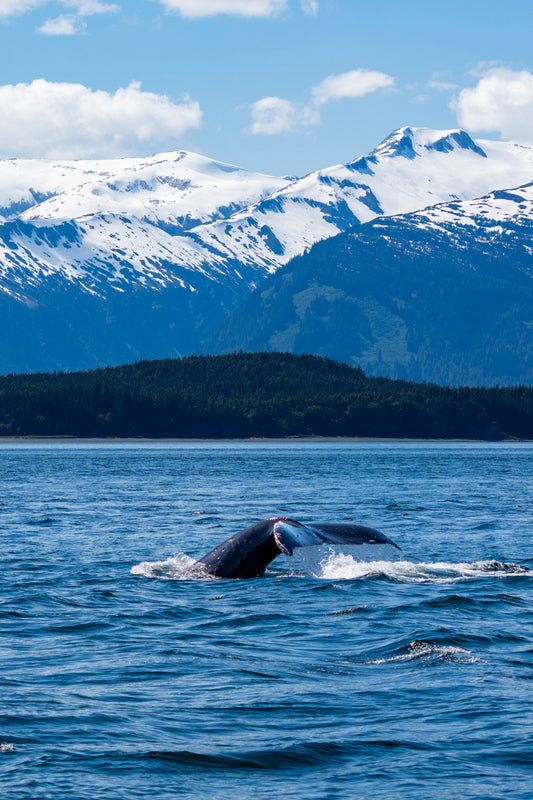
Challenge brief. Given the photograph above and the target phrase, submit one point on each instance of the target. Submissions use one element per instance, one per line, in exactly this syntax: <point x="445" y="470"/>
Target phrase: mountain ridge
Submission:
<point x="444" y="294"/>
<point x="102" y="262"/>
<point x="183" y="208"/>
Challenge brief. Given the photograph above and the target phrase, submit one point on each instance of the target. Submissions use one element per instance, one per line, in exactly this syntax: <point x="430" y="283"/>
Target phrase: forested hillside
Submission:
<point x="253" y="394"/>
<point x="443" y="295"/>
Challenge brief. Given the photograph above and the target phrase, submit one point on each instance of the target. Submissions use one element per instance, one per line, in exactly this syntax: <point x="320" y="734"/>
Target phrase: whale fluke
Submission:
<point x="248" y="553"/>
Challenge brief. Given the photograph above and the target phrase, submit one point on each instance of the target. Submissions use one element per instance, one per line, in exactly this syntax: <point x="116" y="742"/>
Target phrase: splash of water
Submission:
<point x="174" y="568"/>
<point x="340" y="566"/>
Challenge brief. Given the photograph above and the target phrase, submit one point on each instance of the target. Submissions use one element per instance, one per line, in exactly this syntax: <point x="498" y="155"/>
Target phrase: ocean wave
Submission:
<point x="314" y="755"/>
<point x="41" y="521"/>
<point x="430" y="652"/>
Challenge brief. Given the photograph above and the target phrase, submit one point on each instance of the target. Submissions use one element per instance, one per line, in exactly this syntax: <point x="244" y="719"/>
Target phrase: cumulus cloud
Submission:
<point x="64" y="25"/>
<point x="243" y="8"/>
<point x="355" y="83"/>
<point x="273" y="115"/>
<point x="69" y="120"/>
<point x="501" y="102"/>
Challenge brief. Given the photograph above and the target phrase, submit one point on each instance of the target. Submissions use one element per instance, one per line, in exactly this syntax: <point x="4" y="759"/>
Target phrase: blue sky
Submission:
<point x="279" y="86"/>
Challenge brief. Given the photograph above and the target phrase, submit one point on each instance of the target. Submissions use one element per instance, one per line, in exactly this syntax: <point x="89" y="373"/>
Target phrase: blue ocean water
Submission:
<point x="330" y="677"/>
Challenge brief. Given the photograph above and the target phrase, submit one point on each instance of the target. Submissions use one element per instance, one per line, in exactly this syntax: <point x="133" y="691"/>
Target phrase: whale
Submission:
<point x="249" y="552"/>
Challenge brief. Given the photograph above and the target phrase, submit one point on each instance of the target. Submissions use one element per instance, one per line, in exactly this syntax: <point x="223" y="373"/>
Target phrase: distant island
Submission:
<point x="244" y="395"/>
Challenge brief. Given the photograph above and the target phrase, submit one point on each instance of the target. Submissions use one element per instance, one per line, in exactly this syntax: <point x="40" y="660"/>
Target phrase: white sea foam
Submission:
<point x="6" y="747"/>
<point x="174" y="568"/>
<point x="431" y="652"/>
<point x="331" y="563"/>
<point x="341" y="566"/>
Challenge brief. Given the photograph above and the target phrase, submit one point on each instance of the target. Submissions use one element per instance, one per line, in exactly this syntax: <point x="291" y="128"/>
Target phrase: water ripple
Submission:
<point x="334" y="676"/>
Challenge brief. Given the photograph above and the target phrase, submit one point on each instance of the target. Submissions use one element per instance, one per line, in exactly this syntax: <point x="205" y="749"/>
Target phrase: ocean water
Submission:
<point x="339" y="674"/>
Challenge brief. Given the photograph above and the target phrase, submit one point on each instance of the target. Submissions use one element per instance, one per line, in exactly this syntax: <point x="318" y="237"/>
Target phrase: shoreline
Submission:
<point x="251" y="440"/>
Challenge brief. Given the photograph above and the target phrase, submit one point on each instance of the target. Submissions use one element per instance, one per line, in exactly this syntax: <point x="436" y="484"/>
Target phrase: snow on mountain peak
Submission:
<point x="413" y="142"/>
<point x="179" y="187"/>
<point x="174" y="216"/>
<point x="508" y="207"/>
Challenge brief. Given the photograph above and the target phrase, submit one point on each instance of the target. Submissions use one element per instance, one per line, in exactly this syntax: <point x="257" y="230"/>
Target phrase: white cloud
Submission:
<point x="310" y="7"/>
<point x="69" y="120"/>
<point x="85" y="8"/>
<point x="64" y="25"/>
<point x="356" y="83"/>
<point x="89" y="7"/>
<point x="502" y="102"/>
<point x="275" y="115"/>
<point x="207" y="8"/>
<point x="9" y="8"/>
<point x="482" y="67"/>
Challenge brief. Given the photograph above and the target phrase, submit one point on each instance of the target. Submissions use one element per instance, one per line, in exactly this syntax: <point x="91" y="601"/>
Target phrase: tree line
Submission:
<point x="254" y="395"/>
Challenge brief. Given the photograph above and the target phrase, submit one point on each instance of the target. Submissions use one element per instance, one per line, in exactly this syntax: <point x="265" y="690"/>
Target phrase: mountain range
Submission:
<point x="442" y="295"/>
<point x="414" y="261"/>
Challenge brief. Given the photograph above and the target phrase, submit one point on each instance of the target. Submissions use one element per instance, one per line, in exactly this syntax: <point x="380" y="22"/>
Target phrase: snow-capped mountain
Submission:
<point x="146" y="257"/>
<point x="503" y="218"/>
<point x="183" y="189"/>
<point x="444" y="294"/>
<point x="107" y="224"/>
<point x="160" y="221"/>
<point x="410" y="170"/>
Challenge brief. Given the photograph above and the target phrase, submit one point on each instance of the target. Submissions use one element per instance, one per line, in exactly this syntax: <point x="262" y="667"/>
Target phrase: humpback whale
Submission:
<point x="248" y="553"/>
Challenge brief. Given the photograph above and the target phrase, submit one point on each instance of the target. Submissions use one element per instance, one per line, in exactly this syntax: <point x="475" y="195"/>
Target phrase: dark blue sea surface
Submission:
<point x="407" y="676"/>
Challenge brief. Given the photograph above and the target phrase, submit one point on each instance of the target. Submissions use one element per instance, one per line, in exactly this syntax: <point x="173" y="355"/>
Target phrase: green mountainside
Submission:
<point x="253" y="395"/>
<point x="405" y="297"/>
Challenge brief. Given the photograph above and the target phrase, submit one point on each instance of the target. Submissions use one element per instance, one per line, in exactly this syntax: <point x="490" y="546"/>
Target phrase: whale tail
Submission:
<point x="249" y="552"/>
<point x="290" y="534"/>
